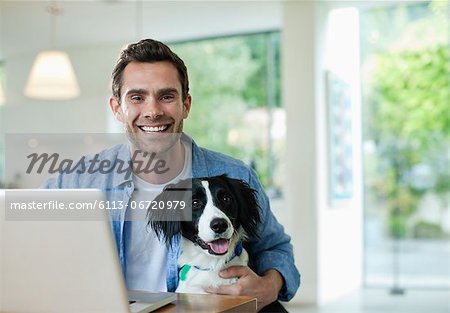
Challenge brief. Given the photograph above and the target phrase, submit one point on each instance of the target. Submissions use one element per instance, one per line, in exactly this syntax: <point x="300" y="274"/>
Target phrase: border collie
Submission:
<point x="225" y="213"/>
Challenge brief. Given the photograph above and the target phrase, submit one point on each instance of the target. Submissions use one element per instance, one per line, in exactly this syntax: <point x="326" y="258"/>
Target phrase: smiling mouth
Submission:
<point x="154" y="129"/>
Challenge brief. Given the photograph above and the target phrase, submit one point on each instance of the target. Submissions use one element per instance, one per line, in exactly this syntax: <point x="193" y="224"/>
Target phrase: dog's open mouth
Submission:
<point x="218" y="247"/>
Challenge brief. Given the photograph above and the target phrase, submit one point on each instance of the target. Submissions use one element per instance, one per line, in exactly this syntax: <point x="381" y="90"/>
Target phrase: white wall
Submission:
<point x="299" y="98"/>
<point x="327" y="239"/>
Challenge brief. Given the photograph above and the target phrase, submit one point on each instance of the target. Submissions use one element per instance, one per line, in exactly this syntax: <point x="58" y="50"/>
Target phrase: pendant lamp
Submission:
<point x="52" y="76"/>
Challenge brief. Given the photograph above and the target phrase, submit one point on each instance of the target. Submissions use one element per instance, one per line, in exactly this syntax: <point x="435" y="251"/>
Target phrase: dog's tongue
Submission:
<point x="219" y="246"/>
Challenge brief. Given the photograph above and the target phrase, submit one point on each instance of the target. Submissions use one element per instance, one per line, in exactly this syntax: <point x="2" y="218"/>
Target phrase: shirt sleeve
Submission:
<point x="272" y="249"/>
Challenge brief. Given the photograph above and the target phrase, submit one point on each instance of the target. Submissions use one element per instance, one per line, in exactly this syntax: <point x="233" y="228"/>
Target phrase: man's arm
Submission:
<point x="272" y="250"/>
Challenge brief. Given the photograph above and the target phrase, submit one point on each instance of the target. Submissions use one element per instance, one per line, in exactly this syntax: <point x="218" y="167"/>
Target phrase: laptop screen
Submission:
<point x="57" y="264"/>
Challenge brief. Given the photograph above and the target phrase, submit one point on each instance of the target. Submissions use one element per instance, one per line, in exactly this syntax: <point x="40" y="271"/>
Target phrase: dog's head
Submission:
<point x="223" y="209"/>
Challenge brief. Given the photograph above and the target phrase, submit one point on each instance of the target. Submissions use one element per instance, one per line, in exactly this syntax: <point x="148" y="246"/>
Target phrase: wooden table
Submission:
<point x="210" y="303"/>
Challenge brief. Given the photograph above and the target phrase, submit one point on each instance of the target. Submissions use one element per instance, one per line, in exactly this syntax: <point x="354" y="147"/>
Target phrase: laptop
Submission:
<point x="62" y="260"/>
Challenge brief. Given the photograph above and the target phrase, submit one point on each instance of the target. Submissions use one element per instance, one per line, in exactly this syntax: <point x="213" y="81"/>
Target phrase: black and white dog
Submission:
<point x="225" y="213"/>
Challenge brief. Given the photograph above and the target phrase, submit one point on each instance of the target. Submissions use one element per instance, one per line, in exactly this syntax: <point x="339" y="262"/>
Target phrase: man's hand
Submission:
<point x="265" y="288"/>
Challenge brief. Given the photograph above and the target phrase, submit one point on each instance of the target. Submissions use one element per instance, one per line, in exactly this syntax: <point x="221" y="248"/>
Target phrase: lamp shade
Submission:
<point x="52" y="77"/>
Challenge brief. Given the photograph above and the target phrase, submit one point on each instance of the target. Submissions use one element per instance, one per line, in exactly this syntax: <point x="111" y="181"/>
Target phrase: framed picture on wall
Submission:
<point x="340" y="156"/>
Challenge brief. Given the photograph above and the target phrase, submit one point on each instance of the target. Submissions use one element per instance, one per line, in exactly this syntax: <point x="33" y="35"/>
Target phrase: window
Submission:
<point x="236" y="110"/>
<point x="405" y="55"/>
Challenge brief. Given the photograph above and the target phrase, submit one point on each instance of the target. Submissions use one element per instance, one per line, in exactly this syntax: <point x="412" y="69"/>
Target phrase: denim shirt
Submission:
<point x="271" y="250"/>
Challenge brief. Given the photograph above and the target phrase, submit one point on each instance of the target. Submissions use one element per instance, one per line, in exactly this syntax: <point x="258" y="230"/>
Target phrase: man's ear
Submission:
<point x="116" y="108"/>
<point x="187" y="106"/>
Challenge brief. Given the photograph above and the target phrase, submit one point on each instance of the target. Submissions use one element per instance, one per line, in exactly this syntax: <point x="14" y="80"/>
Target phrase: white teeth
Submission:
<point x="149" y="129"/>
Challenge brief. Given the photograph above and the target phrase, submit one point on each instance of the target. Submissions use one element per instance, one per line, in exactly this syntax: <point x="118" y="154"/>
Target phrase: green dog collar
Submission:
<point x="183" y="272"/>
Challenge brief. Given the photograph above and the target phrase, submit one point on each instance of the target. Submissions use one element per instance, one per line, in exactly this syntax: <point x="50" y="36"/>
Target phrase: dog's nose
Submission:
<point x="219" y="225"/>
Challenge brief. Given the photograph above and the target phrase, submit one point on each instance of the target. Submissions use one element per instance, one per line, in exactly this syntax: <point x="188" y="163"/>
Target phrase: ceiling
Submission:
<point x="26" y="25"/>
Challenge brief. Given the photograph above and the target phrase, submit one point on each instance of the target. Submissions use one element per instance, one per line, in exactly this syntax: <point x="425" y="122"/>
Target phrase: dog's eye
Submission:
<point x="196" y="204"/>
<point x="226" y="199"/>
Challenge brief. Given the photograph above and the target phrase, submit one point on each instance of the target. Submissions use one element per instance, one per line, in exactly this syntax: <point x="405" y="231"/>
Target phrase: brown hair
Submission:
<point x="148" y="50"/>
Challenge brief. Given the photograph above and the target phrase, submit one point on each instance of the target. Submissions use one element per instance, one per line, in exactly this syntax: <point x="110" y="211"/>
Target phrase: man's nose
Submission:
<point x="152" y="109"/>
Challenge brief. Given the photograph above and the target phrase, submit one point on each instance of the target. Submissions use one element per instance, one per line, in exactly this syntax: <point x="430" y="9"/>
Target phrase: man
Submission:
<point x="151" y="99"/>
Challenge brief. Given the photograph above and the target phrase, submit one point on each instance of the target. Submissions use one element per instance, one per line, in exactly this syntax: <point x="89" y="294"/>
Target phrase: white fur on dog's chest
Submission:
<point x="196" y="278"/>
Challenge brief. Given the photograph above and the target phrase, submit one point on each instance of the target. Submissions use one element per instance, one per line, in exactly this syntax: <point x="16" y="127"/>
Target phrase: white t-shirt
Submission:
<point x="146" y="256"/>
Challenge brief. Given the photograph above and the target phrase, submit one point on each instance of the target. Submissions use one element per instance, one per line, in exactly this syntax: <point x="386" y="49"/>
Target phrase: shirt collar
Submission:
<point x="199" y="165"/>
<point x="199" y="168"/>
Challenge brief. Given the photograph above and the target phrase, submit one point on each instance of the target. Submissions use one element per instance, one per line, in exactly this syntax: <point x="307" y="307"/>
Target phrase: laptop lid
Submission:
<point x="58" y="261"/>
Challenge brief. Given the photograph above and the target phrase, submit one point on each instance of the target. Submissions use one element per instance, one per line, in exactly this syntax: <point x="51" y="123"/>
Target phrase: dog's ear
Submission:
<point x="166" y="230"/>
<point x="249" y="211"/>
<point x="170" y="207"/>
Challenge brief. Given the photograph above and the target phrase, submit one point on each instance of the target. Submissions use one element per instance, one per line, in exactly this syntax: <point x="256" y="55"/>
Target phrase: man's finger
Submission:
<point x="210" y="290"/>
<point x="232" y="289"/>
<point x="233" y="271"/>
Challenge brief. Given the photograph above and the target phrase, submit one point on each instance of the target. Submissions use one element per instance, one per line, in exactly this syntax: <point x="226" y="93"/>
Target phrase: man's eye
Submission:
<point x="136" y="98"/>
<point x="167" y="97"/>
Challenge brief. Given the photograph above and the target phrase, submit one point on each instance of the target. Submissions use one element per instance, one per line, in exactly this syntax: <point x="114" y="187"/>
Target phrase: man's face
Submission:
<point x="151" y="106"/>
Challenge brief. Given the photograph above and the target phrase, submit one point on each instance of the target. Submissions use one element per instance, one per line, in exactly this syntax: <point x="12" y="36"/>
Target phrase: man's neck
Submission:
<point x="159" y="168"/>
